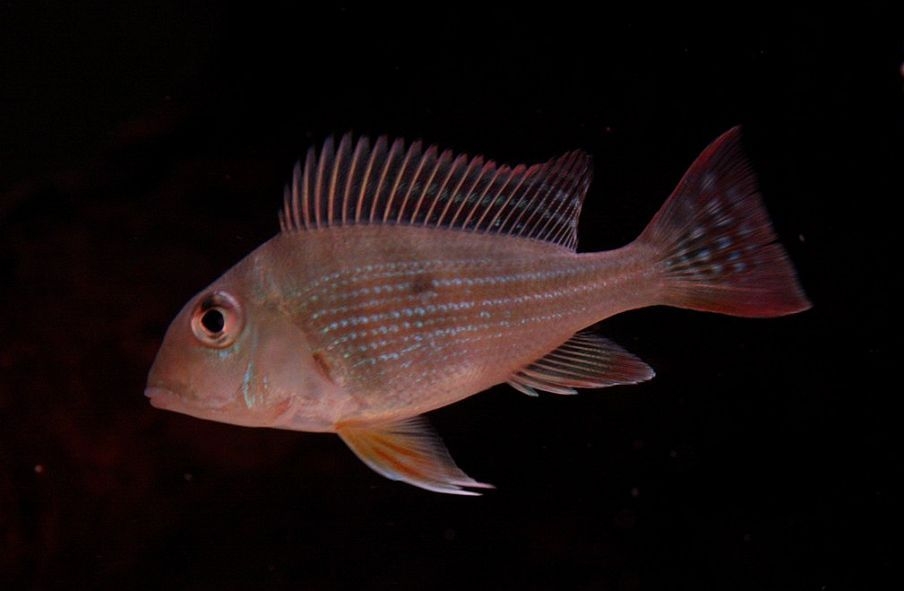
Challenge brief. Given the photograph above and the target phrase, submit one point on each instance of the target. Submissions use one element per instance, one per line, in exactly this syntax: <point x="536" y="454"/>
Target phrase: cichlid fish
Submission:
<point x="404" y="280"/>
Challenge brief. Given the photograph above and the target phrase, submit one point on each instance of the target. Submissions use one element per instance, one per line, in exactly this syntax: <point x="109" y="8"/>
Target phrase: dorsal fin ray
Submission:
<point x="356" y="182"/>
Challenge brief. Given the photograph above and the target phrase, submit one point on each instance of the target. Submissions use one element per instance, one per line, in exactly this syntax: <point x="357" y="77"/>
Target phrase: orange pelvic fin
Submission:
<point x="409" y="450"/>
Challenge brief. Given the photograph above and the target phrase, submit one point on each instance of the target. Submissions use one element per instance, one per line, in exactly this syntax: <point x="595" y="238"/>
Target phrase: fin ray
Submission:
<point x="586" y="360"/>
<point x="717" y="251"/>
<point x="354" y="182"/>
<point x="409" y="450"/>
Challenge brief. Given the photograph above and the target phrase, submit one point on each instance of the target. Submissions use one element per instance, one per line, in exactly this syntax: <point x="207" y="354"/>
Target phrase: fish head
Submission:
<point x="201" y="365"/>
<point x="231" y="357"/>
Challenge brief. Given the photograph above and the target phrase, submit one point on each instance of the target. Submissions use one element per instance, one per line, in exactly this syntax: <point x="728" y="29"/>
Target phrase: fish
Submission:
<point x="405" y="278"/>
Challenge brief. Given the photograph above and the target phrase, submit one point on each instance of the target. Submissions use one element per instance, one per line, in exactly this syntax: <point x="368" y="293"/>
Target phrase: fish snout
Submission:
<point x="159" y="397"/>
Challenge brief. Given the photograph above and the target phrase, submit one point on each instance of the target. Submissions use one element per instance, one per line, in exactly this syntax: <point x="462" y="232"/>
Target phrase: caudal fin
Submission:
<point x="717" y="251"/>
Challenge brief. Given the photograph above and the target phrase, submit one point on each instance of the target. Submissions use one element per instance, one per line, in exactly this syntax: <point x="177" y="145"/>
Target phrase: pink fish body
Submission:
<point x="404" y="280"/>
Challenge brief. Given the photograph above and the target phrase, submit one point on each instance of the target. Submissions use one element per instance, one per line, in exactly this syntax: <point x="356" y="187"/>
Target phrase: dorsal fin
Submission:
<point x="359" y="182"/>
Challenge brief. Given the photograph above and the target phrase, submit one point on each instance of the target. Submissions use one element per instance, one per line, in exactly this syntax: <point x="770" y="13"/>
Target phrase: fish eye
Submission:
<point x="213" y="320"/>
<point x="217" y="320"/>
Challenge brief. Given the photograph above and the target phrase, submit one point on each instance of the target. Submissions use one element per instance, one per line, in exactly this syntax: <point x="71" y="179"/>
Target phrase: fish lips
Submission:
<point x="160" y="397"/>
<point x="166" y="399"/>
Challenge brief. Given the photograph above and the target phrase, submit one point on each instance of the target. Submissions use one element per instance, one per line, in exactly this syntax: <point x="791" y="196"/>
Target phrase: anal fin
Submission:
<point x="586" y="360"/>
<point x="409" y="450"/>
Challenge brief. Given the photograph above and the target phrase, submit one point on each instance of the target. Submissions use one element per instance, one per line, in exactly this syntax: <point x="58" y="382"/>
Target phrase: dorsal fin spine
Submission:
<point x="472" y="164"/>
<point x="338" y="166"/>
<point x="529" y="174"/>
<point x="360" y="146"/>
<point x="413" y="154"/>
<point x="489" y="185"/>
<point x="457" y="163"/>
<point x="292" y="213"/>
<point x="428" y="157"/>
<point x="485" y="169"/>
<point x="379" y="148"/>
<point x="523" y="171"/>
<point x="567" y="163"/>
<point x="470" y="171"/>
<point x="561" y="185"/>
<point x="327" y="157"/>
<point x="283" y="224"/>
<point x="310" y="162"/>
<point x="398" y="174"/>
<point x="443" y="160"/>
<point x="535" y="217"/>
<point x="354" y="182"/>
<point x="532" y="213"/>
<point x="500" y="180"/>
<point x="568" y="184"/>
<point x="394" y="150"/>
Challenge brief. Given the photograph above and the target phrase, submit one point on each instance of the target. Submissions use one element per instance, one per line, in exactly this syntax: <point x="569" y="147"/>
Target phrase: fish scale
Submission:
<point x="406" y="279"/>
<point x="488" y="311"/>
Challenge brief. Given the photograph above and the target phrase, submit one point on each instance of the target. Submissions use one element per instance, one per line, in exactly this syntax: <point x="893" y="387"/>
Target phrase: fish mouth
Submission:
<point x="166" y="399"/>
<point x="160" y="397"/>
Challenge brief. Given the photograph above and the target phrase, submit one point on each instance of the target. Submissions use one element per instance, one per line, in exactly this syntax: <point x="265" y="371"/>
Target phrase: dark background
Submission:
<point x="143" y="149"/>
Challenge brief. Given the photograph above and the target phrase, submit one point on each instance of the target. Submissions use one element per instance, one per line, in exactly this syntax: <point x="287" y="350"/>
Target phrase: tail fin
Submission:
<point x="717" y="249"/>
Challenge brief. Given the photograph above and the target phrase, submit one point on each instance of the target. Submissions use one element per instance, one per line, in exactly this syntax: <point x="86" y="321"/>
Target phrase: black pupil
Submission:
<point x="213" y="320"/>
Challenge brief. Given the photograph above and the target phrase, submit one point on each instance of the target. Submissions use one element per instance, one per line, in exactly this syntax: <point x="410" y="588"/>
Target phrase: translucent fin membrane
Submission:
<point x="716" y="246"/>
<point x="584" y="361"/>
<point x="359" y="182"/>
<point x="410" y="451"/>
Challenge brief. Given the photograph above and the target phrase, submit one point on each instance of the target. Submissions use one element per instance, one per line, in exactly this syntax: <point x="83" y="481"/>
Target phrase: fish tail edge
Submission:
<point x="715" y="246"/>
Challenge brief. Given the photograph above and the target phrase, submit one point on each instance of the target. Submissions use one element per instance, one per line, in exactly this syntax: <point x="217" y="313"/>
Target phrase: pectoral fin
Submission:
<point x="410" y="451"/>
<point x="584" y="361"/>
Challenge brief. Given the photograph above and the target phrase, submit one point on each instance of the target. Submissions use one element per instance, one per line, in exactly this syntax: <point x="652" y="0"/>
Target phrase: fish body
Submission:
<point x="404" y="280"/>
